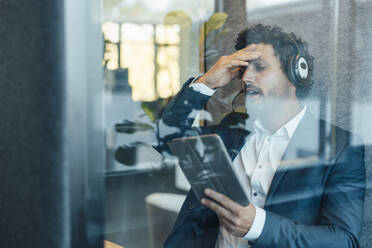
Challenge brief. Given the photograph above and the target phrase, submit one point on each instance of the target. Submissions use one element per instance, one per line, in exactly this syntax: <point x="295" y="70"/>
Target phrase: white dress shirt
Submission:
<point x="256" y="165"/>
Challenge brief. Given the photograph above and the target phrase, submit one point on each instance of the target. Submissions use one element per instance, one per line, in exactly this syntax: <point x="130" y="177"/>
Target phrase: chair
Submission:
<point x="162" y="211"/>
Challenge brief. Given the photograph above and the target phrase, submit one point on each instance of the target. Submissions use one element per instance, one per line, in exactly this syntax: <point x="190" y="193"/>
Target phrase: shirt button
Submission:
<point x="268" y="139"/>
<point x="191" y="206"/>
<point x="260" y="166"/>
<point x="254" y="194"/>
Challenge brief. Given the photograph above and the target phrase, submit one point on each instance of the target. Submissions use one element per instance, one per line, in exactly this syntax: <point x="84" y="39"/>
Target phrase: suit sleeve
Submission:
<point x="179" y="115"/>
<point x="176" y="121"/>
<point x="341" y="211"/>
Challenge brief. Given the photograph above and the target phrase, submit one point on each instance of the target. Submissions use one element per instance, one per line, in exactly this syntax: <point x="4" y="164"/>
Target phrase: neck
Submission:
<point x="278" y="118"/>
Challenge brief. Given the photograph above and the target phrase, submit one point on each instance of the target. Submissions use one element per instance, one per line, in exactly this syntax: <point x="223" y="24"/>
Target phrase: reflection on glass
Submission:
<point x="160" y="58"/>
<point x="278" y="149"/>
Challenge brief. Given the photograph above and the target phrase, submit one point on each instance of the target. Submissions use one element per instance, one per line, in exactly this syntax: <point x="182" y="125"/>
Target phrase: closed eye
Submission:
<point x="259" y="67"/>
<point x="258" y="64"/>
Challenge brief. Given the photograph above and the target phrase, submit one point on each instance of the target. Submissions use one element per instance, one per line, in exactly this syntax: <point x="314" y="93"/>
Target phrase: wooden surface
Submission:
<point x="109" y="244"/>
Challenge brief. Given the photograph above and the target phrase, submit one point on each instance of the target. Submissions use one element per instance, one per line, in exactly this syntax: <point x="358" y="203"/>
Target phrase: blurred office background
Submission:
<point x="83" y="83"/>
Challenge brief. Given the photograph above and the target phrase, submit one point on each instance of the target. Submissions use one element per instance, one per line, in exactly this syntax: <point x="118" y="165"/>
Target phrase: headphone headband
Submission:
<point x="299" y="50"/>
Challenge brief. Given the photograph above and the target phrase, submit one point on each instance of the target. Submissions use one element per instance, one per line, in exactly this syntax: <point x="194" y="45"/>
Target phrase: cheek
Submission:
<point x="270" y="83"/>
<point x="276" y="86"/>
<point x="279" y="91"/>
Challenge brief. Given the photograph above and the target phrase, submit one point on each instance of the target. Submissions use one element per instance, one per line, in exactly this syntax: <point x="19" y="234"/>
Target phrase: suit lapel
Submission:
<point x="302" y="148"/>
<point x="238" y="143"/>
<point x="233" y="133"/>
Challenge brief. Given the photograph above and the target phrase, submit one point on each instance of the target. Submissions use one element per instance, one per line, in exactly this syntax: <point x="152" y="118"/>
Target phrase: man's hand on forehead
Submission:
<point x="228" y="67"/>
<point x="247" y="54"/>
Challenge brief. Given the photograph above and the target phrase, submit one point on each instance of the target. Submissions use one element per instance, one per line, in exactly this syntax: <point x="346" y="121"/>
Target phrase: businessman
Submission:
<point x="305" y="189"/>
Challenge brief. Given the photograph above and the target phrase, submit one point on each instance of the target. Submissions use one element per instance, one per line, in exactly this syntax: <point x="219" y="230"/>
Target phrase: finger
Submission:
<point x="228" y="224"/>
<point x="223" y="200"/>
<point x="232" y="63"/>
<point x="219" y="210"/>
<point x="246" y="56"/>
<point x="251" y="47"/>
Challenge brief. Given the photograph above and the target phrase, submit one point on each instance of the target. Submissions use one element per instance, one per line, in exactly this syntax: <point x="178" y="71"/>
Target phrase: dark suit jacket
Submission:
<point x="315" y="198"/>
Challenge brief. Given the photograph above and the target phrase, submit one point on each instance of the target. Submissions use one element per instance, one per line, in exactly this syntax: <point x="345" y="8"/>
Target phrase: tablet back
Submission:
<point x="206" y="164"/>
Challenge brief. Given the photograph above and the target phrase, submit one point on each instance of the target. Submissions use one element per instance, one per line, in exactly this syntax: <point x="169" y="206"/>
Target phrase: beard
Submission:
<point x="268" y="103"/>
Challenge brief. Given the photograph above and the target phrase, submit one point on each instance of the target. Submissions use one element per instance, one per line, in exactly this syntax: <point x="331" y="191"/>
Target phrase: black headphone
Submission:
<point x="298" y="68"/>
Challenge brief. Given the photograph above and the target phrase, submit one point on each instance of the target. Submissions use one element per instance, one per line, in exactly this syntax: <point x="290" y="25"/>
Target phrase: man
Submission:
<point x="304" y="190"/>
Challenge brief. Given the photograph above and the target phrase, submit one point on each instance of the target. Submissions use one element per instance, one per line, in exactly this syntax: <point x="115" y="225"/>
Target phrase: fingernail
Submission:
<point x="203" y="201"/>
<point x="207" y="191"/>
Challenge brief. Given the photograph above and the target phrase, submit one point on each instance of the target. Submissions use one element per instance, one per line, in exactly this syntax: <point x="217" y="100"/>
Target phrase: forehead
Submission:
<point x="267" y="53"/>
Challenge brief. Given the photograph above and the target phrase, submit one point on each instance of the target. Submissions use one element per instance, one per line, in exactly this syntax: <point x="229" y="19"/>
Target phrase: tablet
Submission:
<point x="206" y="164"/>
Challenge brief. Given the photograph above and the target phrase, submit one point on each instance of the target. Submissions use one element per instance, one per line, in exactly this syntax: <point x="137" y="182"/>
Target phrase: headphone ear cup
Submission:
<point x="292" y="75"/>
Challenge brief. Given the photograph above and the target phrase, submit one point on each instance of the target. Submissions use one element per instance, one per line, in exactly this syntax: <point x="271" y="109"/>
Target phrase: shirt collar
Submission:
<point x="288" y="129"/>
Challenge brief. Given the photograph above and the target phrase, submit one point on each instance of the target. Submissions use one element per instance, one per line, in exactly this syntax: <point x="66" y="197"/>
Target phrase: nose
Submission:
<point x="248" y="73"/>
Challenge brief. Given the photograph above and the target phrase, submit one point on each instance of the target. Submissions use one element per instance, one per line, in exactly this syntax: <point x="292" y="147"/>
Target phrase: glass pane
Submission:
<point x="158" y="49"/>
<point x="266" y="102"/>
